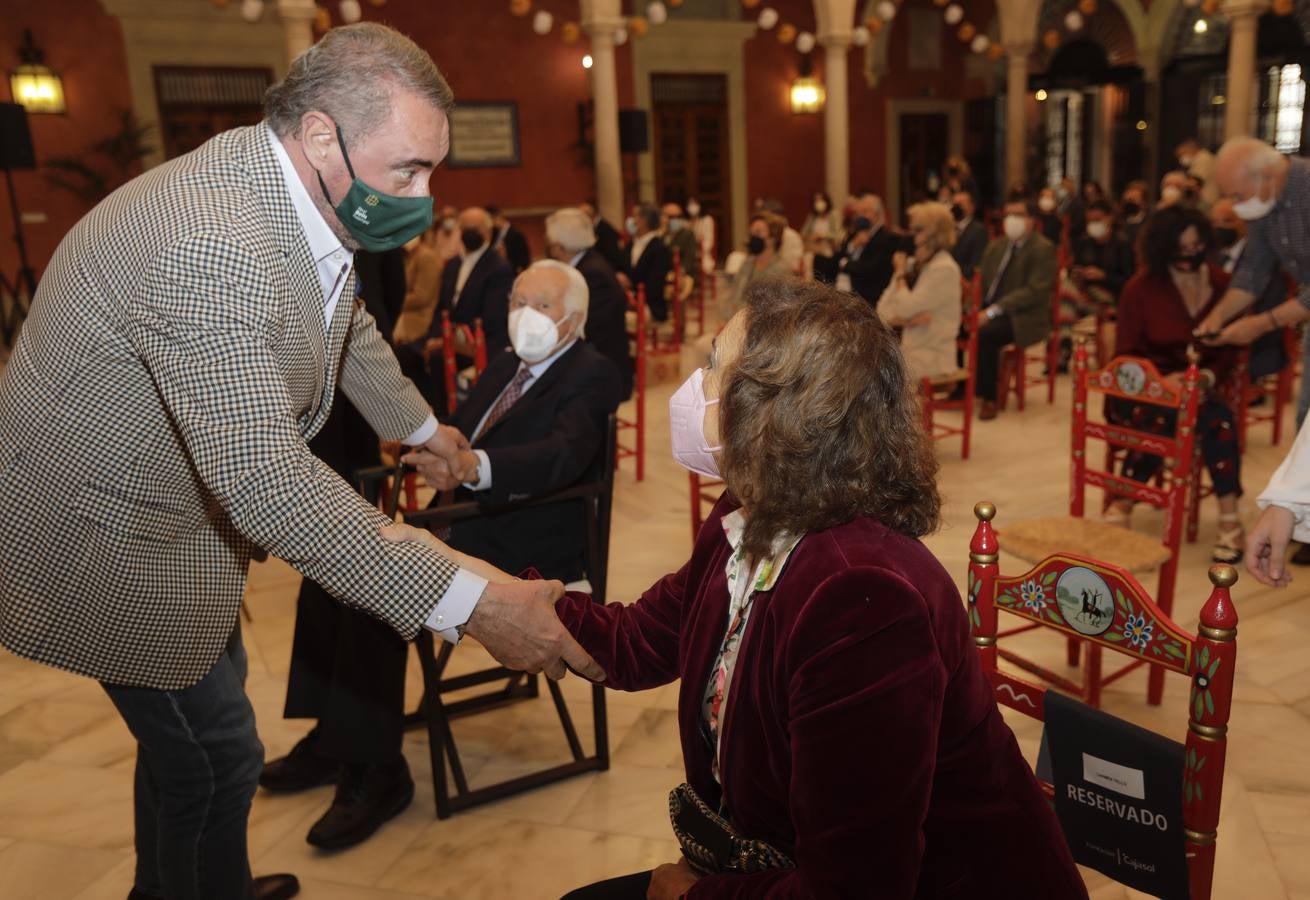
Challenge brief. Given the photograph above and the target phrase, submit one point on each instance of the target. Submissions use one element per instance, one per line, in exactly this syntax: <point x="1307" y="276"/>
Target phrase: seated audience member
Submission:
<point x="444" y="235"/>
<point x="970" y="234"/>
<point x="1102" y="260"/>
<point x="924" y="297"/>
<point x="702" y="226"/>
<point x="808" y="620"/>
<point x="536" y="419"/>
<point x="648" y="261"/>
<point x="677" y="236"/>
<point x="821" y="230"/>
<point x="1134" y="204"/>
<point x="959" y="178"/>
<point x="1173" y="190"/>
<point x="1018" y="275"/>
<point x="508" y="241"/>
<point x="792" y="247"/>
<point x="422" y="282"/>
<point x="1199" y="162"/>
<point x="864" y="263"/>
<point x="1159" y="309"/>
<point x="570" y="239"/>
<point x="1268" y="355"/>
<point x="1049" y="221"/>
<point x="609" y="243"/>
<point x="763" y="257"/>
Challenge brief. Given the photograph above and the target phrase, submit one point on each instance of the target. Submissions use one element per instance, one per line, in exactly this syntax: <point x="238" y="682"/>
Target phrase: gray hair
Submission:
<point x="571" y="228"/>
<point x="351" y="74"/>
<point x="577" y="296"/>
<point x="1250" y="156"/>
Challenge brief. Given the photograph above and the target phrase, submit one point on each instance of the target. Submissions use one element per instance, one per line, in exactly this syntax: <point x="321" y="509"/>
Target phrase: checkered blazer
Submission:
<point x="153" y="420"/>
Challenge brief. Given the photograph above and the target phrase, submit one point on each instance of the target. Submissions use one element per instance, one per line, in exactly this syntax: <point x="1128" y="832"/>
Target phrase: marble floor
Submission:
<point x="66" y="759"/>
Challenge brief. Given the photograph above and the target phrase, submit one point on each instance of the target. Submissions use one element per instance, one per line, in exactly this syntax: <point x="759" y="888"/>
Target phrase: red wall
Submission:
<point x="84" y="45"/>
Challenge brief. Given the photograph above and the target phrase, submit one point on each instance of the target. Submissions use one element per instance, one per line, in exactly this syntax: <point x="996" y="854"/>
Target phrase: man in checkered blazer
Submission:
<point x="185" y="342"/>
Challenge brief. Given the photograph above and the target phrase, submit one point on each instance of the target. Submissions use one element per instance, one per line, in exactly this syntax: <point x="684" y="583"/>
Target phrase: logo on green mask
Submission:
<point x="389" y="222"/>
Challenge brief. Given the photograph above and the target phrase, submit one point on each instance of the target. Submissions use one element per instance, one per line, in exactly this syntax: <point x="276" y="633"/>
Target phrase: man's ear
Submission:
<point x="318" y="136"/>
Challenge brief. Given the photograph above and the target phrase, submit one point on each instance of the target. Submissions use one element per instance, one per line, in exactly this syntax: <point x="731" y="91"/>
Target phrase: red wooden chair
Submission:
<point x="1013" y="371"/>
<point x="1123" y="619"/>
<point x="703" y="491"/>
<point x="1135" y="380"/>
<point x="639" y="344"/>
<point x="473" y="337"/>
<point x="935" y="393"/>
<point x="1276" y="390"/>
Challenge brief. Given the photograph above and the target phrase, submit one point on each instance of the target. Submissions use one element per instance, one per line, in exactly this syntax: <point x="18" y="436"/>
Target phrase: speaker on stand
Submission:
<point x="634" y="131"/>
<point x="15" y="153"/>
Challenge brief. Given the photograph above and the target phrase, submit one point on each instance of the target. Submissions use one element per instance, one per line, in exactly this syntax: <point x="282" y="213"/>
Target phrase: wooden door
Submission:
<point x="198" y="102"/>
<point x="925" y="143"/>
<point x="690" y="114"/>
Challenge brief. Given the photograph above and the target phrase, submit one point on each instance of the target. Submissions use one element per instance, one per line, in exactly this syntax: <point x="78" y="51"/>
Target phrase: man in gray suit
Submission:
<point x="184" y="344"/>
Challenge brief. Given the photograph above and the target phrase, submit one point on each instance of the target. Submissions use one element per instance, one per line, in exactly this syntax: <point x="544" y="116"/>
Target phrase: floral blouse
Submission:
<point x="742" y="587"/>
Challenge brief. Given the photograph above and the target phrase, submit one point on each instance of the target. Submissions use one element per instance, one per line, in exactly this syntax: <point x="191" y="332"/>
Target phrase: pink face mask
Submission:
<point x="687" y="427"/>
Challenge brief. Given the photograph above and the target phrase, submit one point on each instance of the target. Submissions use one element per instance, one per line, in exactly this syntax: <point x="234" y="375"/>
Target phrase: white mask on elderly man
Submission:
<point x="1016" y="227"/>
<point x="533" y="334"/>
<point x="1253" y="208"/>
<point x="1098" y="229"/>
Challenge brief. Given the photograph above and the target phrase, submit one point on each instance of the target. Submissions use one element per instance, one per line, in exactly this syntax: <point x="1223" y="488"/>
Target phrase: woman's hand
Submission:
<point x="922" y="318"/>
<point x="671" y="880"/>
<point x="898" y="263"/>
<point x="408" y="534"/>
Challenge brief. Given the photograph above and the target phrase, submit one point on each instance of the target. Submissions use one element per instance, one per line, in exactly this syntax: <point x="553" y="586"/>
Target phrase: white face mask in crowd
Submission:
<point x="1172" y="193"/>
<point x="1016" y="227"/>
<point x="1098" y="230"/>
<point x="1254" y="208"/>
<point x="1046" y="204"/>
<point x="687" y="427"/>
<point x="533" y="334"/>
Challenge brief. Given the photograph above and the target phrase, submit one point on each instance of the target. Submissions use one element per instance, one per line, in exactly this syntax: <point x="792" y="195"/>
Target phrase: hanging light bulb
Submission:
<point x="350" y="11"/>
<point x="657" y="13"/>
<point x="980" y="44"/>
<point x="768" y="18"/>
<point x="954" y="14"/>
<point x="252" y="10"/>
<point x="620" y="37"/>
<point x="805" y="42"/>
<point x="542" y="22"/>
<point x="886" y="9"/>
<point x="860" y="36"/>
<point x="587" y="61"/>
<point x="1074" y="20"/>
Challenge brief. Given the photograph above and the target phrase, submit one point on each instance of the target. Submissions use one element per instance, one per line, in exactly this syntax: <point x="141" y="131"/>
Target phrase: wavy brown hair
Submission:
<point x="818" y="419"/>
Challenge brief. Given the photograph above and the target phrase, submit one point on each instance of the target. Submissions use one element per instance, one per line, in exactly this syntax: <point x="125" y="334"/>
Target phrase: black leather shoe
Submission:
<point x="300" y="769"/>
<point x="367" y="797"/>
<point x="276" y="887"/>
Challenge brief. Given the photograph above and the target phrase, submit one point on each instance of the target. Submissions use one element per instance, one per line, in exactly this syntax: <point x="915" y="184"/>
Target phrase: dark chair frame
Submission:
<point x="596" y="497"/>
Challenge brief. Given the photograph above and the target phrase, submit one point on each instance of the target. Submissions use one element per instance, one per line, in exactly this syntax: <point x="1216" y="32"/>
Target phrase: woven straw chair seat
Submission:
<point x="949" y="377"/>
<point x="1033" y="540"/>
<point x="1086" y="326"/>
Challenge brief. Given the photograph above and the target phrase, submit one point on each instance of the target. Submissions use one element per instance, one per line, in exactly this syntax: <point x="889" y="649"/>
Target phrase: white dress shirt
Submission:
<point x="639" y="246"/>
<point x="535" y="371"/>
<point x="466" y="263"/>
<point x="1289" y="487"/>
<point x="333" y="262"/>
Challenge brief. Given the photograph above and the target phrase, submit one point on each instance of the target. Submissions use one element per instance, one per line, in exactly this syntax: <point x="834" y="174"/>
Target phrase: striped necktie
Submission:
<point x="507" y="399"/>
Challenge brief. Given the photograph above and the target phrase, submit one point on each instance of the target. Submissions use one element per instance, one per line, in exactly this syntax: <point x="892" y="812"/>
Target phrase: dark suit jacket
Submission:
<point x="381" y="278"/>
<point x="485" y="296"/>
<point x="969" y="246"/>
<point x="872" y="271"/>
<point x="514" y="246"/>
<point x="609" y="246"/>
<point x="1026" y="285"/>
<point x="607" y="309"/>
<point x="652" y="270"/>
<point x="861" y="736"/>
<point x="1114" y="256"/>
<point x="548" y="440"/>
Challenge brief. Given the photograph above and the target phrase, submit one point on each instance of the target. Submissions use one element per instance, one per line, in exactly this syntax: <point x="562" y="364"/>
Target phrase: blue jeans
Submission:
<point x="197" y="767"/>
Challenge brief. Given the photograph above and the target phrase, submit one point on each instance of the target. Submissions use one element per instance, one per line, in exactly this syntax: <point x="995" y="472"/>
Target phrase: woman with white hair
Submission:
<point x="923" y="299"/>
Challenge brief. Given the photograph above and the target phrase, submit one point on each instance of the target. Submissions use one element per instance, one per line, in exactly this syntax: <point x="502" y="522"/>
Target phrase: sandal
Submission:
<point x="1230" y="541"/>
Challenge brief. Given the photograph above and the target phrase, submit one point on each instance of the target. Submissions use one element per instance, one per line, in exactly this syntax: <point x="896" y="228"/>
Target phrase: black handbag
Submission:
<point x="711" y="845"/>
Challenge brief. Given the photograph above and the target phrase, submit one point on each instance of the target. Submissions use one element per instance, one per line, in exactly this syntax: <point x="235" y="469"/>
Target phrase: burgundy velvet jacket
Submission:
<point x="861" y="736"/>
<point x="1153" y="323"/>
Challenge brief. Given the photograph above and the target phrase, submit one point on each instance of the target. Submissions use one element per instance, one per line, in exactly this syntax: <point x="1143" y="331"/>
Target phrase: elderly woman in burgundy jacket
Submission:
<point x="831" y="702"/>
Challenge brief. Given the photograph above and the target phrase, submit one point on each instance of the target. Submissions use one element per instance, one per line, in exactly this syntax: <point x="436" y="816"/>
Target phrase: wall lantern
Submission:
<point x="807" y="94"/>
<point x="33" y="84"/>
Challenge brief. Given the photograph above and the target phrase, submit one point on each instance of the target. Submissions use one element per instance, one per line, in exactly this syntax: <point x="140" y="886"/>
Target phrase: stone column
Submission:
<point x="836" y="115"/>
<point x="1243" y="17"/>
<point x="1016" y="105"/>
<point x="297" y="25"/>
<point x="605" y="117"/>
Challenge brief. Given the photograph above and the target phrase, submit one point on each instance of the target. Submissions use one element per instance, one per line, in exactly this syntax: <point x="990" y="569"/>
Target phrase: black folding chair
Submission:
<point x="594" y="497"/>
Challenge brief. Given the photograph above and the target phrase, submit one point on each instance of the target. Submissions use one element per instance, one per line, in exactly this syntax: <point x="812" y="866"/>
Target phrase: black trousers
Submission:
<point x="991" y="338"/>
<point x="347" y="668"/>
<point x="625" y="887"/>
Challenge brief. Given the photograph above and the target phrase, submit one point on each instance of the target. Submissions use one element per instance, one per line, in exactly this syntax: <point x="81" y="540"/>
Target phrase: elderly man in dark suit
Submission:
<point x="608" y="243"/>
<point x="648" y="260"/>
<point x="970" y="234"/>
<point x="864" y="263"/>
<point x="1018" y="275"/>
<point x="192" y="330"/>
<point x="570" y="239"/>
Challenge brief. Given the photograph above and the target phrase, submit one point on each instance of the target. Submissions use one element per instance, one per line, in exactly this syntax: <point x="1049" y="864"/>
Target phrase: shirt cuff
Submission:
<point x="456" y="605"/>
<point x="421" y="435"/>
<point x="484" y="472"/>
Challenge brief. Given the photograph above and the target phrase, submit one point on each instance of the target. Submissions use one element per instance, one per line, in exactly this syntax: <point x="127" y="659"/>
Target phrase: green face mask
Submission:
<point x="376" y="220"/>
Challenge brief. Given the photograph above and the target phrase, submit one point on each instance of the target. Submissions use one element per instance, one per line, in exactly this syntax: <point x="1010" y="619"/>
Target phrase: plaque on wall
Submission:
<point x="484" y="135"/>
